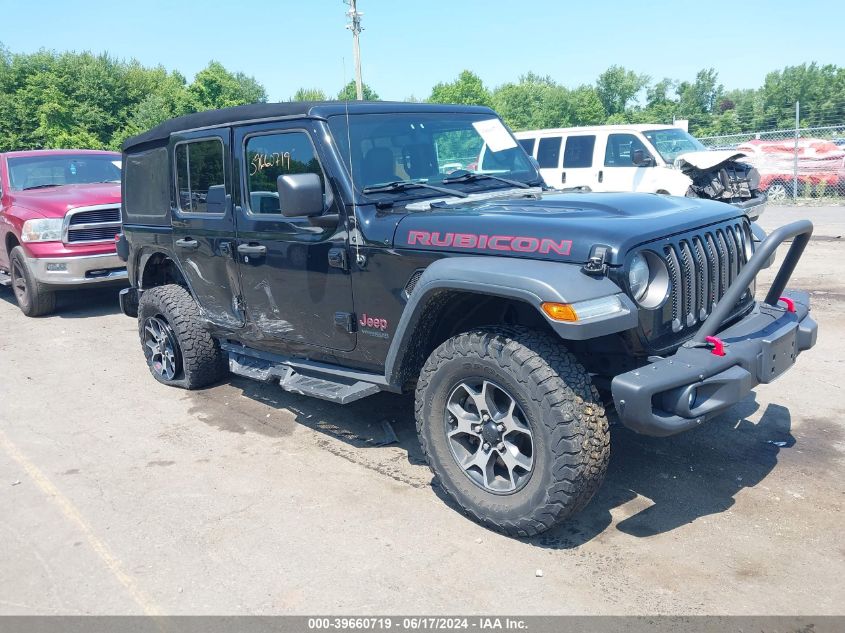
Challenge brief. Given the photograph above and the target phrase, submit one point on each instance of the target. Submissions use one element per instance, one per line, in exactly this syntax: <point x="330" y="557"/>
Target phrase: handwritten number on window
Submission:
<point x="260" y="162"/>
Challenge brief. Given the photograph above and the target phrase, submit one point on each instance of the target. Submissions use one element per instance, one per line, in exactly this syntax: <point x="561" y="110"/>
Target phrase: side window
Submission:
<point x="579" y="151"/>
<point x="269" y="156"/>
<point x="199" y="167"/>
<point x="620" y="148"/>
<point x="548" y="153"/>
<point x="146" y="191"/>
<point x="528" y="145"/>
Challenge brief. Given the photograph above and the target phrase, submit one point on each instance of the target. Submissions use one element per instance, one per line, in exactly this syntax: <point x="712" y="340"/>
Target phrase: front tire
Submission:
<point x="32" y="297"/>
<point x="512" y="428"/>
<point x="178" y="350"/>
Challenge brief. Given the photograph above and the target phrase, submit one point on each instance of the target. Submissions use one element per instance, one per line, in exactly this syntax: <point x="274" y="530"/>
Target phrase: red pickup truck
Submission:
<point x="59" y="214"/>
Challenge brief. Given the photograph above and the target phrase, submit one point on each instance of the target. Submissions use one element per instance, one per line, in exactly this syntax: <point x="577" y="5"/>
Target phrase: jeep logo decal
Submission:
<point x="513" y="243"/>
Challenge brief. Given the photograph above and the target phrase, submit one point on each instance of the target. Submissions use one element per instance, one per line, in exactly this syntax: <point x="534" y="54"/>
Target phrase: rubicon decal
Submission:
<point x="512" y="243"/>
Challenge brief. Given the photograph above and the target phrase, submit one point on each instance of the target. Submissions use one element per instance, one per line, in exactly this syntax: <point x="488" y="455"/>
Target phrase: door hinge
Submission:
<point x="345" y="321"/>
<point x="338" y="259"/>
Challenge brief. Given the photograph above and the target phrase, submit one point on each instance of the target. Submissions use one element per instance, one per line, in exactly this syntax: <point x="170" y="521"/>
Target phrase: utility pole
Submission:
<point x="354" y="25"/>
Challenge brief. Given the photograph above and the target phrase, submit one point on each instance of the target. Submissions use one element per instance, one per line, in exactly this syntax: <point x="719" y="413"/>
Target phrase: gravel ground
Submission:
<point x="121" y="496"/>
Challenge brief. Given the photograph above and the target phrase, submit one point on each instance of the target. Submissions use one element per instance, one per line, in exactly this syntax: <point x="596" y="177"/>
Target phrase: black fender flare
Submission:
<point x="143" y="258"/>
<point x="530" y="281"/>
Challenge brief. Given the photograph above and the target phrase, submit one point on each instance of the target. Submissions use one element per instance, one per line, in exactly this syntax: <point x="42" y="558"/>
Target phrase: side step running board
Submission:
<point x="5" y="279"/>
<point x="333" y="388"/>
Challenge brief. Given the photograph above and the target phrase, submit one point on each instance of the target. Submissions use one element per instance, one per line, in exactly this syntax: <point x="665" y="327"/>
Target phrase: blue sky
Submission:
<point x="409" y="46"/>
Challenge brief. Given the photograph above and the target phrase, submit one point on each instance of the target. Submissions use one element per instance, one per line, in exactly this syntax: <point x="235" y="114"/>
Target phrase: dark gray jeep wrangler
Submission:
<point x="345" y="249"/>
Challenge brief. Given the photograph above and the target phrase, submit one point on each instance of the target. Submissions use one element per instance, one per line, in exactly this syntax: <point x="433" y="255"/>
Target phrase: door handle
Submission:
<point x="563" y="177"/>
<point x="252" y="249"/>
<point x="601" y="175"/>
<point x="188" y="243"/>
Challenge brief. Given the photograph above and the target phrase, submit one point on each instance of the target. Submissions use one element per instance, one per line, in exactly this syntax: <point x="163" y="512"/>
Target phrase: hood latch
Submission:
<point x="597" y="264"/>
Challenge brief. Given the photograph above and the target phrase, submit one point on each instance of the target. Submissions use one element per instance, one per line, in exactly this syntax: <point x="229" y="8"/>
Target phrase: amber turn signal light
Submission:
<point x="560" y="311"/>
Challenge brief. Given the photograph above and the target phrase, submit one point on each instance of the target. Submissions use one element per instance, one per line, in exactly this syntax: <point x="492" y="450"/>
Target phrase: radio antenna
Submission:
<point x="356" y="233"/>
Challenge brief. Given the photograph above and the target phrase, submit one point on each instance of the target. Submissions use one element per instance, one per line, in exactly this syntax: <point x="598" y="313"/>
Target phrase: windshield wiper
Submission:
<point x="468" y="176"/>
<point x="40" y="186"/>
<point x="402" y="185"/>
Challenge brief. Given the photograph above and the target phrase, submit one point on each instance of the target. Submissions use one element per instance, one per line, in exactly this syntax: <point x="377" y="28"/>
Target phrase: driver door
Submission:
<point x="296" y="287"/>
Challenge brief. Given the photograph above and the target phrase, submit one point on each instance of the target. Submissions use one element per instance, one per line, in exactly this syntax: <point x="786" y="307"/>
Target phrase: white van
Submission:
<point x="643" y="158"/>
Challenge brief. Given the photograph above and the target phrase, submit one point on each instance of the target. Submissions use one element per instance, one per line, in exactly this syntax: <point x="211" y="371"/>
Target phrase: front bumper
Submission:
<point x="682" y="391"/>
<point x="753" y="207"/>
<point x="677" y="393"/>
<point x="78" y="271"/>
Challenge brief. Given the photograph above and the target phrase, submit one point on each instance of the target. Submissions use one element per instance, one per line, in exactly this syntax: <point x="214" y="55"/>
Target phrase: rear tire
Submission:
<point x="178" y="350"/>
<point x="33" y="298"/>
<point x="550" y="455"/>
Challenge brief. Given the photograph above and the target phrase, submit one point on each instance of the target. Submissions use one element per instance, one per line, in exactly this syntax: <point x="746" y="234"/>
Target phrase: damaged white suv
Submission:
<point x="642" y="158"/>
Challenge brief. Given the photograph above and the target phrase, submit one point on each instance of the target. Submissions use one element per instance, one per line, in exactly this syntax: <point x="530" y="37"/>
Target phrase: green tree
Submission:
<point x="348" y="93"/>
<point x="309" y="94"/>
<point x="586" y="106"/>
<point x="617" y="87"/>
<point x="467" y="89"/>
<point x="215" y="87"/>
<point x="533" y="102"/>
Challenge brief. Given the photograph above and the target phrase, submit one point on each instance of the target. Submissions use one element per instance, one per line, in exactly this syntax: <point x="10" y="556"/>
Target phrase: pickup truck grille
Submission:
<point x="701" y="268"/>
<point x="92" y="224"/>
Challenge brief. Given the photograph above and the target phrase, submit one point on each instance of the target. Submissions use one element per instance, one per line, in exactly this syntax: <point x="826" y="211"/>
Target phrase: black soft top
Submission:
<point x="268" y="111"/>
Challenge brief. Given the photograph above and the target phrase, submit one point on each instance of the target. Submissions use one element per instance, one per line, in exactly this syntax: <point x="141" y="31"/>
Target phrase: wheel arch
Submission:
<point x="456" y="294"/>
<point x="10" y="242"/>
<point x="158" y="268"/>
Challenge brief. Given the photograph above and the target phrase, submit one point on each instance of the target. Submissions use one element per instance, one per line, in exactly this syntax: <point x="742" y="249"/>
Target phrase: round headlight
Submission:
<point x="638" y="275"/>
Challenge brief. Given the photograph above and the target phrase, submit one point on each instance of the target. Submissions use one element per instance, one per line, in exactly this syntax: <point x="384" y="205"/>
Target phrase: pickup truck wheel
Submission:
<point x="179" y="351"/>
<point x="512" y="428"/>
<point x="32" y="297"/>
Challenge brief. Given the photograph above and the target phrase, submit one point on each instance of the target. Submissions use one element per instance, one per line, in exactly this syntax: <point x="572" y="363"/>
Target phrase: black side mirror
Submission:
<point x="641" y="159"/>
<point x="300" y="195"/>
<point x="215" y="199"/>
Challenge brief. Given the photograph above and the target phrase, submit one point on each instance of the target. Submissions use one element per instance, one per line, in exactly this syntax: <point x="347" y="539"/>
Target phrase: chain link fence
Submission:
<point x="795" y="165"/>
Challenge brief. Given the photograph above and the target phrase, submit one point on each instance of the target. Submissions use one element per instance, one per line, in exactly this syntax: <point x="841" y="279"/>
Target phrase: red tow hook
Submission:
<point x="790" y="304"/>
<point x="718" y="345"/>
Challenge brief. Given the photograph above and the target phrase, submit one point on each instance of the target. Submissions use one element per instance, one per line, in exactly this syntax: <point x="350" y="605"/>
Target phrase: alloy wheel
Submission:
<point x="161" y="348"/>
<point x="777" y="192"/>
<point x="489" y="436"/>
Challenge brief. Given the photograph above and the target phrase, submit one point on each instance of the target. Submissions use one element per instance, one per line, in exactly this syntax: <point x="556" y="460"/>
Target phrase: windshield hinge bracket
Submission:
<point x="597" y="263"/>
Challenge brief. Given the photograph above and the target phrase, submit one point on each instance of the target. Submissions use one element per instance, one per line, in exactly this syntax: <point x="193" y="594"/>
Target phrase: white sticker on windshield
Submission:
<point x="494" y="134"/>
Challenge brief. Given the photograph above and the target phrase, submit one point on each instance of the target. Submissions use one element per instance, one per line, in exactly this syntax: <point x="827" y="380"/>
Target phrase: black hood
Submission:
<point x="560" y="227"/>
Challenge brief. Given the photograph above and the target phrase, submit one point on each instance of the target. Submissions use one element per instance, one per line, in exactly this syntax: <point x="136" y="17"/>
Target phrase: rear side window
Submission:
<point x="528" y="144"/>
<point x="199" y="166"/>
<point x="579" y="151"/>
<point x="548" y="153"/>
<point x="145" y="190"/>
<point x="269" y="156"/>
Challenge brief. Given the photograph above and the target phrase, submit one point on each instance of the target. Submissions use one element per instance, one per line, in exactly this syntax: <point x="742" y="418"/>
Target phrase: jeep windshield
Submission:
<point x="42" y="172"/>
<point x="433" y="152"/>
<point x="673" y="142"/>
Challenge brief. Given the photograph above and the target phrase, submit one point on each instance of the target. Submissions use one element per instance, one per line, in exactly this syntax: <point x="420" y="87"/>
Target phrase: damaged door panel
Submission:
<point x="203" y="222"/>
<point x="294" y="282"/>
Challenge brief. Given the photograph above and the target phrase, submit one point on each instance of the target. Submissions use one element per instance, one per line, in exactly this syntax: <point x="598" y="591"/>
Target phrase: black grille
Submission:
<point x="701" y="269"/>
<point x="93" y="225"/>
<point x="95" y="217"/>
<point x="93" y="235"/>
